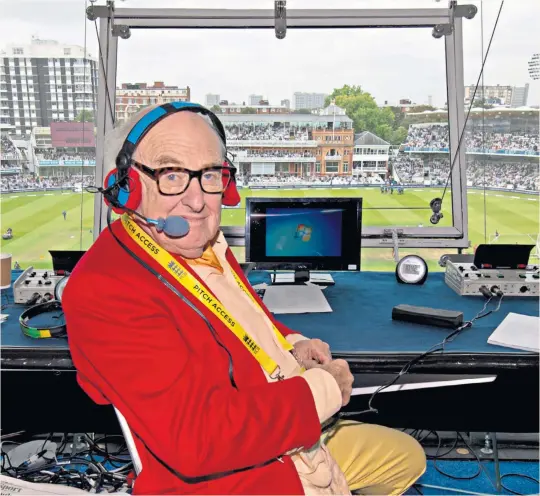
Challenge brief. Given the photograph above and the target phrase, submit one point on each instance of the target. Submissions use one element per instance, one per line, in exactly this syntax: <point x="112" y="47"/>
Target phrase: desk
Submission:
<point x="359" y="330"/>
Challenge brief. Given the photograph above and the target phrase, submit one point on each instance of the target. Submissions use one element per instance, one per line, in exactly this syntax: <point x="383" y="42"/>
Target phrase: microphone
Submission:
<point x="173" y="226"/>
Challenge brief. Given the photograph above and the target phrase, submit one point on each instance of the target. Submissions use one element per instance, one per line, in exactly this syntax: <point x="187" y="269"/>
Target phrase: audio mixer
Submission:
<point x="496" y="267"/>
<point x="35" y="286"/>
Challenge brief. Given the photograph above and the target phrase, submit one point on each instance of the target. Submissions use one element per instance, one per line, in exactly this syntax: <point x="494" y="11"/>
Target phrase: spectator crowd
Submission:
<point x="30" y="182"/>
<point x="436" y="136"/>
<point x="480" y="173"/>
<point x="266" y="132"/>
<point x="8" y="151"/>
<point x="278" y="154"/>
<point x="58" y="154"/>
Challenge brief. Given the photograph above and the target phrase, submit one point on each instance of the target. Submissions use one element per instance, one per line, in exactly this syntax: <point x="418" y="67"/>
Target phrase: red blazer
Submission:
<point x="137" y="346"/>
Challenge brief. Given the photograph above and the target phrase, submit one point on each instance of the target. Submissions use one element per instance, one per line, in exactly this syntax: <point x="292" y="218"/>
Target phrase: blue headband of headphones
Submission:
<point x="149" y="120"/>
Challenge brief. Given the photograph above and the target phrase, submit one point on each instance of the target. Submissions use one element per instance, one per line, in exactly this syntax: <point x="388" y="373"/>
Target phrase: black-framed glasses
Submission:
<point x="173" y="181"/>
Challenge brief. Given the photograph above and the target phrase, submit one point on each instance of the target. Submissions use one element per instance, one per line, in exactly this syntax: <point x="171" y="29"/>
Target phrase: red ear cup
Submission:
<point x="231" y="197"/>
<point x="127" y="196"/>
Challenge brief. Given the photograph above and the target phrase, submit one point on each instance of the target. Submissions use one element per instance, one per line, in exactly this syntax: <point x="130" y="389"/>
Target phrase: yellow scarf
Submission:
<point x="208" y="258"/>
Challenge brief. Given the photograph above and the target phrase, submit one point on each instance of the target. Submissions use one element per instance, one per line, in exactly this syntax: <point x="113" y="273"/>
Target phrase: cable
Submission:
<point x="527" y="477"/>
<point x="439" y="347"/>
<point x="481" y="467"/>
<point x="472" y="102"/>
<point x="83" y="471"/>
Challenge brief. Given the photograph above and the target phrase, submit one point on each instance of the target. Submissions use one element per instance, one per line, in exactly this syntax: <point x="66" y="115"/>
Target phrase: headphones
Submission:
<point x="57" y="331"/>
<point x="122" y="186"/>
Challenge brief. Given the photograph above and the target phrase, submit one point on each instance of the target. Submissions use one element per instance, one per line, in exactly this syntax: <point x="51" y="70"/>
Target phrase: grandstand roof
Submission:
<point x="477" y="110"/>
<point x="332" y="109"/>
<point x="292" y="118"/>
<point x="367" y="138"/>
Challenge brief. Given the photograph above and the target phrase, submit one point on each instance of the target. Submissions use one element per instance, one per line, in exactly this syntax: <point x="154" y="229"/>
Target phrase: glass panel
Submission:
<point x="344" y="127"/>
<point x="46" y="163"/>
<point x="502" y="131"/>
<point x="382" y="259"/>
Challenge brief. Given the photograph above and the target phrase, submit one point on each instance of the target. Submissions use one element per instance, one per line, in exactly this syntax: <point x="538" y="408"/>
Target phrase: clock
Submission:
<point x="411" y="269"/>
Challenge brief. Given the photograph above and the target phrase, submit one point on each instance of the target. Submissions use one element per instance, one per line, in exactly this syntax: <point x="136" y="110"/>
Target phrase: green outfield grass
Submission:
<point x="38" y="224"/>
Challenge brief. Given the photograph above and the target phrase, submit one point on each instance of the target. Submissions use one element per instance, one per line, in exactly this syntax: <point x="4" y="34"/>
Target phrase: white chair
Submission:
<point x="126" y="431"/>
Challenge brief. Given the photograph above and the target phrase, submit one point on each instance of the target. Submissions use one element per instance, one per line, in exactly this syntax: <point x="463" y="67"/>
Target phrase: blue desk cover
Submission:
<point x="361" y="320"/>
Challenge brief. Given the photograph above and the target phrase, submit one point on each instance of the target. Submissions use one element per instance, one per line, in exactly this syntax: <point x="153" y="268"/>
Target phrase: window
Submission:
<point x="332" y="167"/>
<point x="345" y="167"/>
<point x="418" y="146"/>
<point x="18" y="51"/>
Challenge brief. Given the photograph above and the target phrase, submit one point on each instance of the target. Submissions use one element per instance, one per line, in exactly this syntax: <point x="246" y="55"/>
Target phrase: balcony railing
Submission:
<point x="272" y="143"/>
<point x="259" y="158"/>
<point x="378" y="158"/>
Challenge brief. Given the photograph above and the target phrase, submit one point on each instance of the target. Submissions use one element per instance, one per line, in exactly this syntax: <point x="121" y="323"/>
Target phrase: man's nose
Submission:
<point x="193" y="197"/>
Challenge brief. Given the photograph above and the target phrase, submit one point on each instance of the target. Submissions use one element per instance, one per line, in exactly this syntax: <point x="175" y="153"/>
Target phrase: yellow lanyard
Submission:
<point x="199" y="291"/>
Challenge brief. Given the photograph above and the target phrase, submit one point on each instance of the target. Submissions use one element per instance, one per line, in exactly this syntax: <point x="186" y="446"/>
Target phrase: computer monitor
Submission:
<point x="316" y="233"/>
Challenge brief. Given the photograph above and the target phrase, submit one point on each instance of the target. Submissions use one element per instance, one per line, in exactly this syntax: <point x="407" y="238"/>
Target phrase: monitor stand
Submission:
<point x="301" y="277"/>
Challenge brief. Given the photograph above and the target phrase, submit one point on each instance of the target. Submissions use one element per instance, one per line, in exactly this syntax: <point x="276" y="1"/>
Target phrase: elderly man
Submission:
<point x="220" y="397"/>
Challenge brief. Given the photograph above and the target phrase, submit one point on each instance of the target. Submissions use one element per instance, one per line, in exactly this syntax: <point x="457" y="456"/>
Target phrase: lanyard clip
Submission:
<point x="277" y="375"/>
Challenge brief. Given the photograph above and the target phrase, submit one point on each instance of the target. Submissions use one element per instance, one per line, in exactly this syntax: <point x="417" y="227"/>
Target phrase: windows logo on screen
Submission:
<point x="303" y="232"/>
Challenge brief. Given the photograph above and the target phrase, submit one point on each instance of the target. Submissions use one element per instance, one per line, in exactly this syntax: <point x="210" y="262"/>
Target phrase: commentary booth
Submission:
<point x="373" y="253"/>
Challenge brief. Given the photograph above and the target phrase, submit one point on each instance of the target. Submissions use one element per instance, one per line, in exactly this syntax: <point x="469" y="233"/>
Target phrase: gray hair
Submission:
<point x="116" y="138"/>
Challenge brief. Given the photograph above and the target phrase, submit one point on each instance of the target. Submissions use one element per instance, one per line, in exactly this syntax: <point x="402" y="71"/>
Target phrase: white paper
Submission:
<point x="296" y="299"/>
<point x="421" y="385"/>
<point x="517" y="331"/>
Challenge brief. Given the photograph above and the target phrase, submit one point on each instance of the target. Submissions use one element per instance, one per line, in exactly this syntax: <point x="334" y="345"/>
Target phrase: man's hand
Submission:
<point x="312" y="352"/>
<point x="339" y="369"/>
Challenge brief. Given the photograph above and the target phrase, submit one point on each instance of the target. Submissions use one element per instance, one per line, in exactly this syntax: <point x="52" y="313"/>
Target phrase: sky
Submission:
<point x="389" y="63"/>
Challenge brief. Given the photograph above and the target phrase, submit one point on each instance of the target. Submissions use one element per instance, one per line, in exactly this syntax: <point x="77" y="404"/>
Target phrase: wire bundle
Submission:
<point x="95" y="468"/>
<point x="418" y="435"/>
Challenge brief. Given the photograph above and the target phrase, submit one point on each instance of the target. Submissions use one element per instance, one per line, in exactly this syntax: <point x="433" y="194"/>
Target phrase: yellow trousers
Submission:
<point x="376" y="459"/>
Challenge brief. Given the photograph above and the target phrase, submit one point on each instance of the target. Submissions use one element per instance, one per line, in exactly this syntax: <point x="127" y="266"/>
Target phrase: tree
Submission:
<point x="85" y="116"/>
<point x="482" y="103"/>
<point x="399" y="115"/>
<point x="216" y="109"/>
<point x="399" y="135"/>
<point x="361" y="107"/>
<point x="248" y="110"/>
<point x="422" y="108"/>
